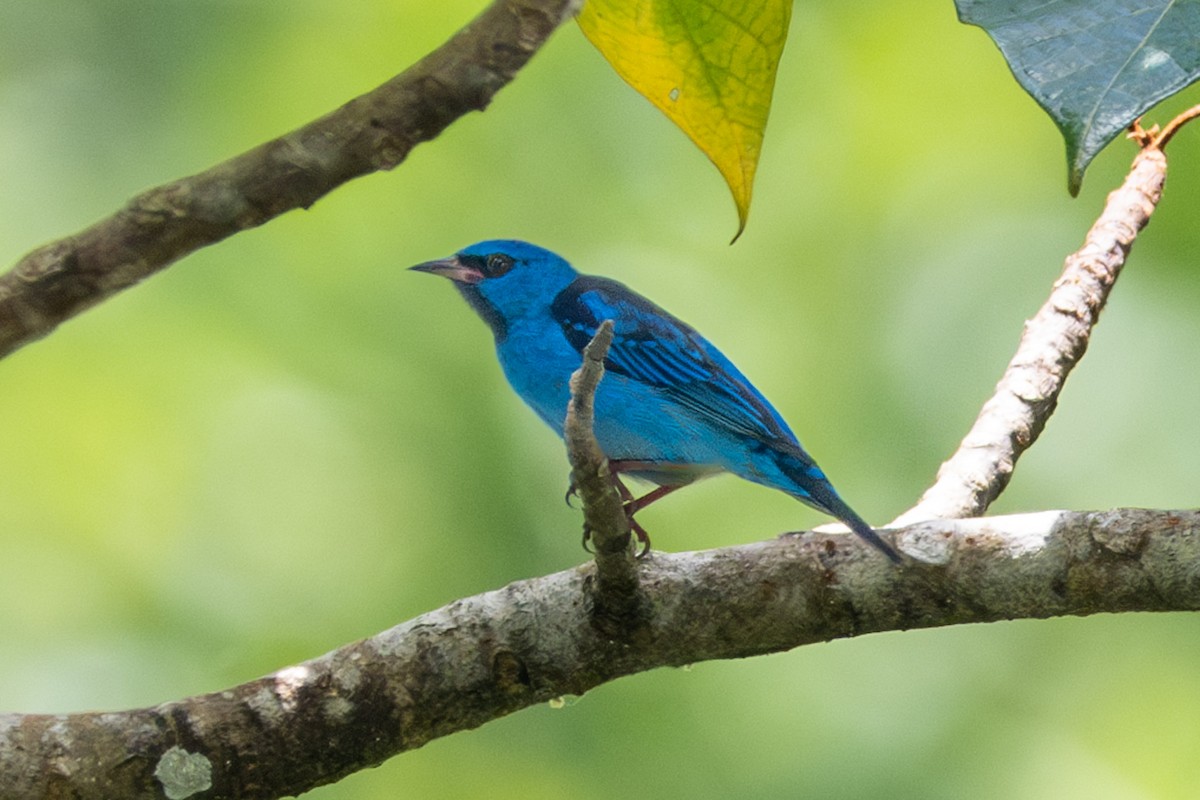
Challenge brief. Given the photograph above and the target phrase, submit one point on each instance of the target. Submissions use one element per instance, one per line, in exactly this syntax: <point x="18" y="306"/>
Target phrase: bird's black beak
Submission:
<point x="452" y="268"/>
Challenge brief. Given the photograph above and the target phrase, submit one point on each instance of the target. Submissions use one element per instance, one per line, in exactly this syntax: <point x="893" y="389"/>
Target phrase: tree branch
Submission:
<point x="483" y="657"/>
<point x="604" y="520"/>
<point x="616" y="601"/>
<point x="486" y="656"/>
<point x="373" y="132"/>
<point x="1052" y="344"/>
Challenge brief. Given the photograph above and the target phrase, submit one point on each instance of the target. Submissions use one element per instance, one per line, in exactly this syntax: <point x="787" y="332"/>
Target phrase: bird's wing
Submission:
<point x="653" y="347"/>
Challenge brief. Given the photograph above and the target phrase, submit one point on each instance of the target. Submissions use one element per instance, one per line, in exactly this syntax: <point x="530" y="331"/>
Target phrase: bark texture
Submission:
<point x="482" y="657"/>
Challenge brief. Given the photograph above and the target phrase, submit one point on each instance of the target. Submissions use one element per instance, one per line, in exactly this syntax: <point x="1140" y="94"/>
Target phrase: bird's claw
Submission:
<point x="642" y="537"/>
<point x="630" y="504"/>
<point x="635" y="528"/>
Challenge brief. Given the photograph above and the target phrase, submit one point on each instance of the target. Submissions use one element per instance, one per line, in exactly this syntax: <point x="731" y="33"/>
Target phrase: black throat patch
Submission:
<point x="484" y="309"/>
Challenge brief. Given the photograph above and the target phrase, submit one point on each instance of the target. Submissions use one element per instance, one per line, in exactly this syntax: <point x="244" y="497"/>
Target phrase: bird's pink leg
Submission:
<point x="632" y="504"/>
<point x="636" y="504"/>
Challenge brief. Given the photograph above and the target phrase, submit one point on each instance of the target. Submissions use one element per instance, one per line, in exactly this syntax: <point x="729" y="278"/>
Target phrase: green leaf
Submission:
<point x="709" y="65"/>
<point x="1094" y="65"/>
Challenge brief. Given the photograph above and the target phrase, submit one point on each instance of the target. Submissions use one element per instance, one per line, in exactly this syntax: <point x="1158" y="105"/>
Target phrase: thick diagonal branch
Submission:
<point x="1053" y="343"/>
<point x="373" y="132"/>
<point x="486" y="656"/>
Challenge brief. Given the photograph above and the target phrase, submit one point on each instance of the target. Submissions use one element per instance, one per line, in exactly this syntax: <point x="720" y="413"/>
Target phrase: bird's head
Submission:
<point x="505" y="280"/>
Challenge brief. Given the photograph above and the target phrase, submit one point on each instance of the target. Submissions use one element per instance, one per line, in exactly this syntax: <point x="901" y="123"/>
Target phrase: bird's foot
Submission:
<point x="631" y="506"/>
<point x="636" y="529"/>
<point x="640" y="533"/>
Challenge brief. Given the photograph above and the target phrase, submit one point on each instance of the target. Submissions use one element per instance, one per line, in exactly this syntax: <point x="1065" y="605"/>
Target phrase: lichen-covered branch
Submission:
<point x="604" y="518"/>
<point x="486" y="656"/>
<point x="1052" y="344"/>
<point x="373" y="132"/>
<point x="616" y="601"/>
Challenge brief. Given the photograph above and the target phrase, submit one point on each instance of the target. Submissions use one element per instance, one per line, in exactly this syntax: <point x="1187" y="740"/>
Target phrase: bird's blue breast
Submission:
<point x="538" y="362"/>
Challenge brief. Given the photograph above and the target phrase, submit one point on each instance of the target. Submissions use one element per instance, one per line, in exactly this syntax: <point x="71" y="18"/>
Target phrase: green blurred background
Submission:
<point x="286" y="442"/>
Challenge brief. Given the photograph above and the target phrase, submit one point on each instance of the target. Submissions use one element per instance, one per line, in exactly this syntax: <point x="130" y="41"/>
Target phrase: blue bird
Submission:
<point x="671" y="408"/>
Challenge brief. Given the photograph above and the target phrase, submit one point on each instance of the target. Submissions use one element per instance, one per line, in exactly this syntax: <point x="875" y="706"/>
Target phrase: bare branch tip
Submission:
<point x="597" y="348"/>
<point x="1155" y="138"/>
<point x="1141" y="136"/>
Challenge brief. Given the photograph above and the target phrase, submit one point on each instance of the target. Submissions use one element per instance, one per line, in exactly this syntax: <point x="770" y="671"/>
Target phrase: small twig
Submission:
<point x="603" y="511"/>
<point x="1053" y="343"/>
<point x="604" y="518"/>
<point x="1160" y="140"/>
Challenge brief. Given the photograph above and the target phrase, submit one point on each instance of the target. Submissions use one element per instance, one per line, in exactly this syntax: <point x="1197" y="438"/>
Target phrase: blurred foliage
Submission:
<point x="285" y="442"/>
<point x="709" y="66"/>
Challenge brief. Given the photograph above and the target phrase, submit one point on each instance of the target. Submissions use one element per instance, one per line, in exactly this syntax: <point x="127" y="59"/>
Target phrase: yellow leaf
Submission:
<point x="709" y="65"/>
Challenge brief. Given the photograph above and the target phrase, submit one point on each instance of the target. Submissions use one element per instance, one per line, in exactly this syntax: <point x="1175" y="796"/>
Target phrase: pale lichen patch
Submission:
<point x="288" y="683"/>
<point x="1027" y="534"/>
<point x="183" y="774"/>
<point x="337" y="709"/>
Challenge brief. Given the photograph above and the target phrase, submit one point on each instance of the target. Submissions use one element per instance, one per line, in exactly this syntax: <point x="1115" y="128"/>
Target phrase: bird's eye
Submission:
<point x="498" y="264"/>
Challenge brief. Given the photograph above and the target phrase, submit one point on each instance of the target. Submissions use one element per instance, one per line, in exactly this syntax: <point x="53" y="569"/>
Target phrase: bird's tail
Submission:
<point x="810" y="486"/>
